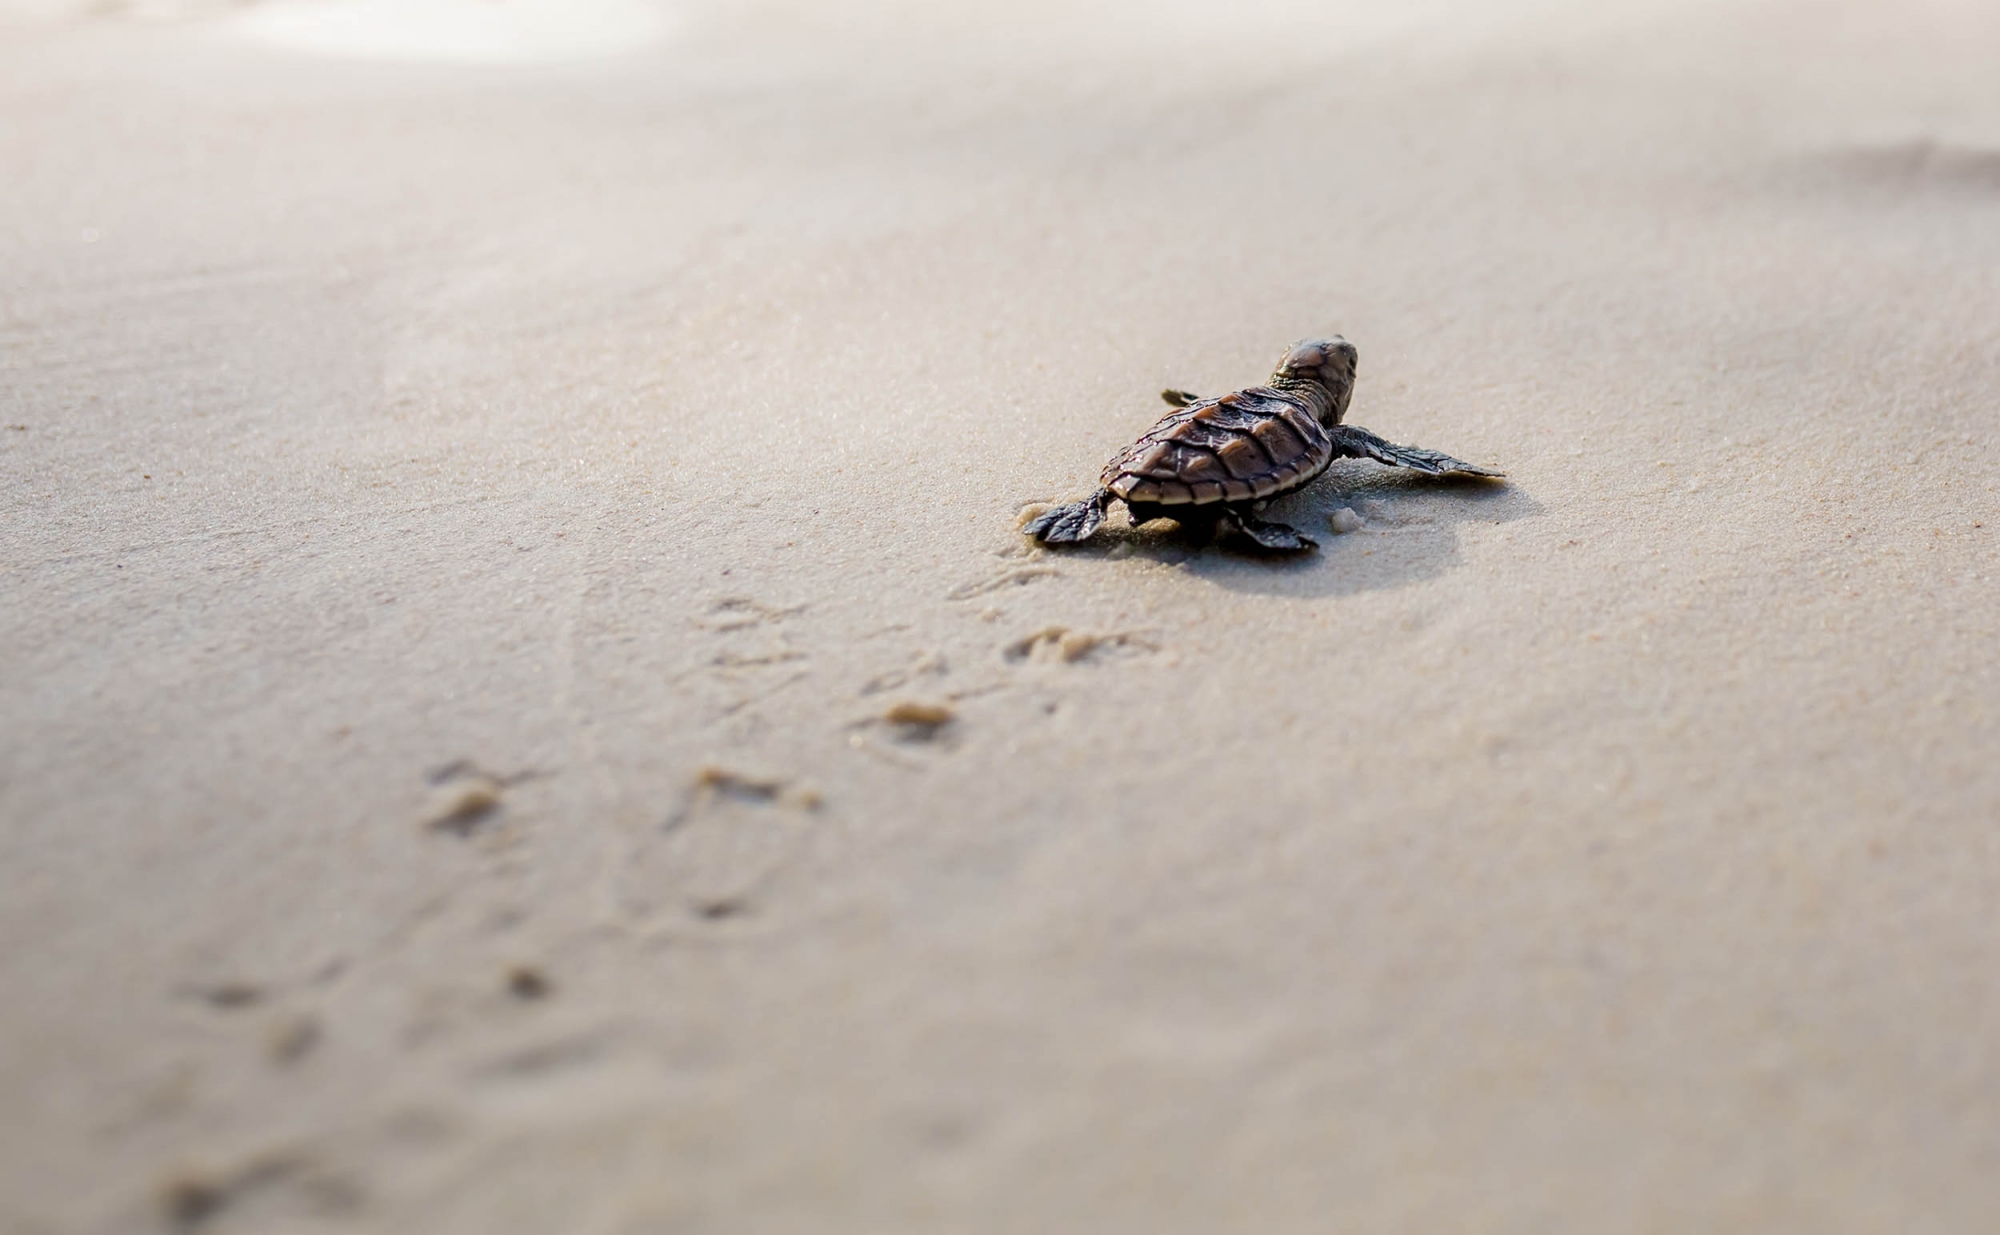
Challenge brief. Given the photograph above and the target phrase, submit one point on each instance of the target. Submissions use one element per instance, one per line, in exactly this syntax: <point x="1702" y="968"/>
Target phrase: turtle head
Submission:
<point x="1330" y="362"/>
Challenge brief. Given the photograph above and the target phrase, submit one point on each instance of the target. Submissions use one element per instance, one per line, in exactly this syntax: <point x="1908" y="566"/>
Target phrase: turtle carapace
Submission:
<point x="1218" y="461"/>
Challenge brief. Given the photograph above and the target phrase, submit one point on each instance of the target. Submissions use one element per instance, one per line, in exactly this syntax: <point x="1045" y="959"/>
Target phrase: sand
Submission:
<point x="472" y="519"/>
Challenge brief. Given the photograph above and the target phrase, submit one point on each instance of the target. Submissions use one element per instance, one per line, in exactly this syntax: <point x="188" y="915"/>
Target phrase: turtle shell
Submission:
<point x="1256" y="443"/>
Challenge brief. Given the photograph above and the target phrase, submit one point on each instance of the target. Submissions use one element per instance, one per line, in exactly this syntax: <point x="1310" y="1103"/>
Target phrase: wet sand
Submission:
<point x="469" y="521"/>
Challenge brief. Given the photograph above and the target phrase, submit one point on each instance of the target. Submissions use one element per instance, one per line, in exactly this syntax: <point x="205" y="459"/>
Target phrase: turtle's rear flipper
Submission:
<point x="1066" y="525"/>
<point x="1358" y="443"/>
<point x="1271" y="537"/>
<point x="1179" y="398"/>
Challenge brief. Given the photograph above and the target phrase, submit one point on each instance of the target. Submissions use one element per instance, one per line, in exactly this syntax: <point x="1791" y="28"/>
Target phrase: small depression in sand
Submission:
<point x="455" y="31"/>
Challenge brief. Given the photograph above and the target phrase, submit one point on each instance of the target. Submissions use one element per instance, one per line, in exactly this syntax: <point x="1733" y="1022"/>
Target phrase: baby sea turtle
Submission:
<point x="1218" y="461"/>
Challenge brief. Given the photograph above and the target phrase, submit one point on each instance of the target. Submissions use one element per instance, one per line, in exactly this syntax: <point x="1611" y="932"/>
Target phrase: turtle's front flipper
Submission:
<point x="1272" y="537"/>
<point x="1066" y="525"/>
<point x="1358" y="443"/>
<point x="1179" y="398"/>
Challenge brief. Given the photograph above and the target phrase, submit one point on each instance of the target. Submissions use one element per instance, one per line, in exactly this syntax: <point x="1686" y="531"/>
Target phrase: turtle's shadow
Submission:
<point x="1408" y="533"/>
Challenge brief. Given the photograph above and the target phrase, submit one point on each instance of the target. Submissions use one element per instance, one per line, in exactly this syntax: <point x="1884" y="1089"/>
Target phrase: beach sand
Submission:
<point x="469" y="516"/>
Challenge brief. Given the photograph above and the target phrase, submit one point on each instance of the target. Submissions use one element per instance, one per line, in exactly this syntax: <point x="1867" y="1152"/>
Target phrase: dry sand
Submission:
<point x="465" y="524"/>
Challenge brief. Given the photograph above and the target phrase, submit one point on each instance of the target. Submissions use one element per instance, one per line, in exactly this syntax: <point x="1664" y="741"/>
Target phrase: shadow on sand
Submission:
<point x="1905" y="168"/>
<point x="1409" y="534"/>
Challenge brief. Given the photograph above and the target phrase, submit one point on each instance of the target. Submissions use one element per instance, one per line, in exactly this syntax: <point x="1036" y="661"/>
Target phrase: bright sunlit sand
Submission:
<point x="454" y="31"/>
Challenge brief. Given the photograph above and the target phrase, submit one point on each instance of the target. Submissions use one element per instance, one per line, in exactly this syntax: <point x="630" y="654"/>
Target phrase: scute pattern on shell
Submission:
<point x="1256" y="443"/>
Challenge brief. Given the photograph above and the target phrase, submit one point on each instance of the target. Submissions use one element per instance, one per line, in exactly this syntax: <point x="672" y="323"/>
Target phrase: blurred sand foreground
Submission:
<point x="467" y="515"/>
